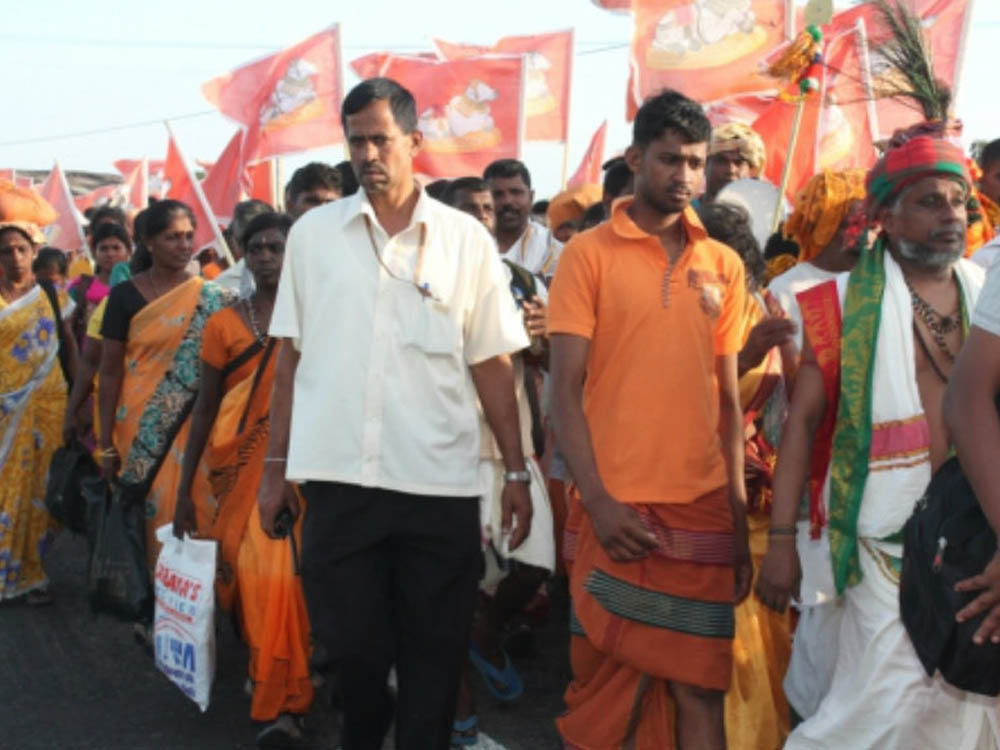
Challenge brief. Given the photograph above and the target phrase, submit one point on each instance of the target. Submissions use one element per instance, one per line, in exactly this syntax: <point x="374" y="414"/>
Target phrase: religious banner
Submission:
<point x="944" y="23"/>
<point x="707" y="49"/>
<point x="589" y="171"/>
<point x="66" y="232"/>
<point x="549" y="74"/>
<point x="289" y="101"/>
<point x="471" y="111"/>
<point x="184" y="187"/>
<point x="370" y="65"/>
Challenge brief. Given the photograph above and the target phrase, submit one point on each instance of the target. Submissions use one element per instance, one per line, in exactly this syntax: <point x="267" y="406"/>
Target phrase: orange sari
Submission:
<point x="756" y="709"/>
<point x="159" y="387"/>
<point x="256" y="573"/>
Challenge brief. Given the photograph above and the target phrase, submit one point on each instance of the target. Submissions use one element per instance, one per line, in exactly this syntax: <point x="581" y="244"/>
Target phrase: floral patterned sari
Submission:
<point x="32" y="405"/>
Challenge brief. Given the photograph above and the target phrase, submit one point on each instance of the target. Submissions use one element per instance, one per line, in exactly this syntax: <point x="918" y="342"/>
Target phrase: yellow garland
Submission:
<point x="796" y="59"/>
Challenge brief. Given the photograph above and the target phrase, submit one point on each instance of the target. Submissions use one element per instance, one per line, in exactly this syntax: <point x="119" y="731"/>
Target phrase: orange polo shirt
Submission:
<point x="651" y="395"/>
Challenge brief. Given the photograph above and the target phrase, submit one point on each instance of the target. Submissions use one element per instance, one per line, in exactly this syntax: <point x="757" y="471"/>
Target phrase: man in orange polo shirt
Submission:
<point x="644" y="325"/>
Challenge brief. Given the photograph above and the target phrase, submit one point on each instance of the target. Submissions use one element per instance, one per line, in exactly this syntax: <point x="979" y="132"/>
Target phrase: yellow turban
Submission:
<point x="571" y="204"/>
<point x="735" y="136"/>
<point x="820" y="208"/>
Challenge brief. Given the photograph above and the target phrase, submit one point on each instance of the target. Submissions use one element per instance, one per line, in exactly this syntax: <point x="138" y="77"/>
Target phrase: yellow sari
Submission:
<point x="32" y="407"/>
<point x="756" y="709"/>
<point x="161" y="380"/>
<point x="256" y="573"/>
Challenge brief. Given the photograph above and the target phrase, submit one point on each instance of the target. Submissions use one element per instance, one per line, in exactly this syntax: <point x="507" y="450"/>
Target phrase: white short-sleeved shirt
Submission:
<point x="383" y="396"/>
<point x="797" y="279"/>
<point x="987" y="255"/>
<point x="987" y="312"/>
<point x="537" y="250"/>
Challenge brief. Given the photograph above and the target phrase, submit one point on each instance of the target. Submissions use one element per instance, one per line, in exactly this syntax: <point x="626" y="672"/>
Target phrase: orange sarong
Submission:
<point x="161" y="378"/>
<point x="256" y="573"/>
<point x="637" y="626"/>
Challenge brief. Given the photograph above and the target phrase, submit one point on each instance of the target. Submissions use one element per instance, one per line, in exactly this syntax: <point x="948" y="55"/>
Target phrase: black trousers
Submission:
<point x="391" y="579"/>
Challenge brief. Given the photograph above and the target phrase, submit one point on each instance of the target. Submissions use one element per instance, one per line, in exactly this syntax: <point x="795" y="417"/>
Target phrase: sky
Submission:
<point x="93" y="70"/>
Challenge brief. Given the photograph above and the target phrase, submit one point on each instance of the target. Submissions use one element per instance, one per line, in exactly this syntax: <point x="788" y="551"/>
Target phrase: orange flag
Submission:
<point x="136" y="185"/>
<point x="184" y="187"/>
<point x="289" y="101"/>
<point x="261" y="179"/>
<point x="550" y="65"/>
<point x="944" y="23"/>
<point x="225" y="184"/>
<point x="589" y="171"/>
<point x="66" y="232"/>
<point x="708" y="50"/>
<point x="370" y="65"/>
<point x="471" y="111"/>
<point x="154" y="174"/>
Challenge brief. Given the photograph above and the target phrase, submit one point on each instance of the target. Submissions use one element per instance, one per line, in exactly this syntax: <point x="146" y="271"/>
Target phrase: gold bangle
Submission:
<point x="110" y="452"/>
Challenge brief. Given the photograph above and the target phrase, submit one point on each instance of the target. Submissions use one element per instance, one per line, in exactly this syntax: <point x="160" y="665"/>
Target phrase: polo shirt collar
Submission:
<point x="623" y="225"/>
<point x="360" y="205"/>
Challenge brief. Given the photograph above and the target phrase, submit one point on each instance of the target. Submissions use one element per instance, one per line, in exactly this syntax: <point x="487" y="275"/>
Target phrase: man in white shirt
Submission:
<point x="520" y="239"/>
<point x="394" y="314"/>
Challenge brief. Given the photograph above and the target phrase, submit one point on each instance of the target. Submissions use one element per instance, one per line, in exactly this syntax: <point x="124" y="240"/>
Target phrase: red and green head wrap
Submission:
<point x="917" y="158"/>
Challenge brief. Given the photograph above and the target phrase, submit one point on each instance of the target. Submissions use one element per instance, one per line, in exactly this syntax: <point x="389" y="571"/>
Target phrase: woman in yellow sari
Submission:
<point x="32" y="399"/>
<point x="756" y="708"/>
<point x="230" y="426"/>
<point x="151" y="336"/>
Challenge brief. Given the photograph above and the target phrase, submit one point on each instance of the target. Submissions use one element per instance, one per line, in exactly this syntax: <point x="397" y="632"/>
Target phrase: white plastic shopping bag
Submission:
<point x="184" y="622"/>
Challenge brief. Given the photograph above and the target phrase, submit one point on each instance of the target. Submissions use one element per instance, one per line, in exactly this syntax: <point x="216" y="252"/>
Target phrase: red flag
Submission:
<point x="66" y="232"/>
<point x="707" y="50"/>
<point x="225" y="184"/>
<point x="136" y="185"/>
<point x="101" y="196"/>
<point x="185" y="188"/>
<point x="370" y="65"/>
<point x="261" y="180"/>
<point x="471" y="111"/>
<point x="550" y="65"/>
<point x="290" y="101"/>
<point x="944" y="22"/>
<point x="589" y="171"/>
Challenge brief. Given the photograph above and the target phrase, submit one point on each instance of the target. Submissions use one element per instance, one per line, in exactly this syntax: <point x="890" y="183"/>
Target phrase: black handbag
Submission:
<point x="946" y="540"/>
<point x="117" y="578"/>
<point x="70" y="465"/>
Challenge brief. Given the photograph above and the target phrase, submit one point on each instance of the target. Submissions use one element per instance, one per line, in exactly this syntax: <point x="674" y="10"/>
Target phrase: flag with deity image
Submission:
<point x="549" y="74"/>
<point x="470" y="111"/>
<point x="707" y="49"/>
<point x="289" y="101"/>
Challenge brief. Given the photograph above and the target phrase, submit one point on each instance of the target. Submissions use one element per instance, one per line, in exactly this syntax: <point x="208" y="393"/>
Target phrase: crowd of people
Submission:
<point x="460" y="400"/>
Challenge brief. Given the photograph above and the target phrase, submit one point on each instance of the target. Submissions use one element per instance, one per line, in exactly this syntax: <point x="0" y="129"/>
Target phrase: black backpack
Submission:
<point x="946" y="540"/>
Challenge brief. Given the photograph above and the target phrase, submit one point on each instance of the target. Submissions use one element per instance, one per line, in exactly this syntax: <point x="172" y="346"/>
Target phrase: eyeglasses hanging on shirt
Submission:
<point x="424" y="289"/>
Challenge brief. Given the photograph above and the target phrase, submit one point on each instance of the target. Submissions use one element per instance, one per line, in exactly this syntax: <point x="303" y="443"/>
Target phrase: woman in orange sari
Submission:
<point x="756" y="709"/>
<point x="230" y="426"/>
<point x="151" y="335"/>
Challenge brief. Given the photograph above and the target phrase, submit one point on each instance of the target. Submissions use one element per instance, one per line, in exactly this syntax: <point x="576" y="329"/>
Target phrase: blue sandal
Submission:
<point x="505" y="685"/>
<point x="460" y="732"/>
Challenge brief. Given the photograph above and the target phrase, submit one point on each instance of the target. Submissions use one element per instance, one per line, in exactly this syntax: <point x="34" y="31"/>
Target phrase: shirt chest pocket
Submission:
<point x="431" y="329"/>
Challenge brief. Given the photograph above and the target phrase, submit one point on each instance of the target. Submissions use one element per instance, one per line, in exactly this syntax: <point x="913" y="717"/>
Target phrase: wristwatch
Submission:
<point x="517" y="476"/>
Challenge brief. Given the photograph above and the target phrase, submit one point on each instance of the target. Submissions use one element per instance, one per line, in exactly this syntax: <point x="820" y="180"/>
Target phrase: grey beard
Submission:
<point x="922" y="255"/>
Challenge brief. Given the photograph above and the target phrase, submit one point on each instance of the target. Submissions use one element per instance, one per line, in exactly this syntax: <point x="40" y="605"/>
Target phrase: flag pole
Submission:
<point x="196" y="186"/>
<point x="276" y="181"/>
<point x="861" y="30"/>
<point x="786" y="171"/>
<point x="569" y="99"/>
<point x="790" y="31"/>
<point x="960" y="62"/>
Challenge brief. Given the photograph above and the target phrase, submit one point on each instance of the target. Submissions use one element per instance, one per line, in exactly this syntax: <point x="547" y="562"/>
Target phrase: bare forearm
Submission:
<point x="108" y="391"/>
<point x="206" y="409"/>
<point x="494" y="381"/>
<point x="573" y="436"/>
<point x="281" y="400"/>
<point x="792" y="470"/>
<point x="83" y="385"/>
<point x="731" y="436"/>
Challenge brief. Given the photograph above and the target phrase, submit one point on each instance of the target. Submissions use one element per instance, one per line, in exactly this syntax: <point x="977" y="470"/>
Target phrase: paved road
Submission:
<point x="75" y="681"/>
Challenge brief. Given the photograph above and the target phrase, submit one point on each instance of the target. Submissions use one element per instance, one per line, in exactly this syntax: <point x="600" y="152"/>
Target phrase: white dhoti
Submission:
<point x="539" y="549"/>
<point x="880" y="697"/>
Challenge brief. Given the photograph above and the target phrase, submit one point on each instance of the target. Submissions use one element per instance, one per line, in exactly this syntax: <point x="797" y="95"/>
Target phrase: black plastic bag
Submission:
<point x="946" y="540"/>
<point x="117" y="579"/>
<point x="71" y="464"/>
